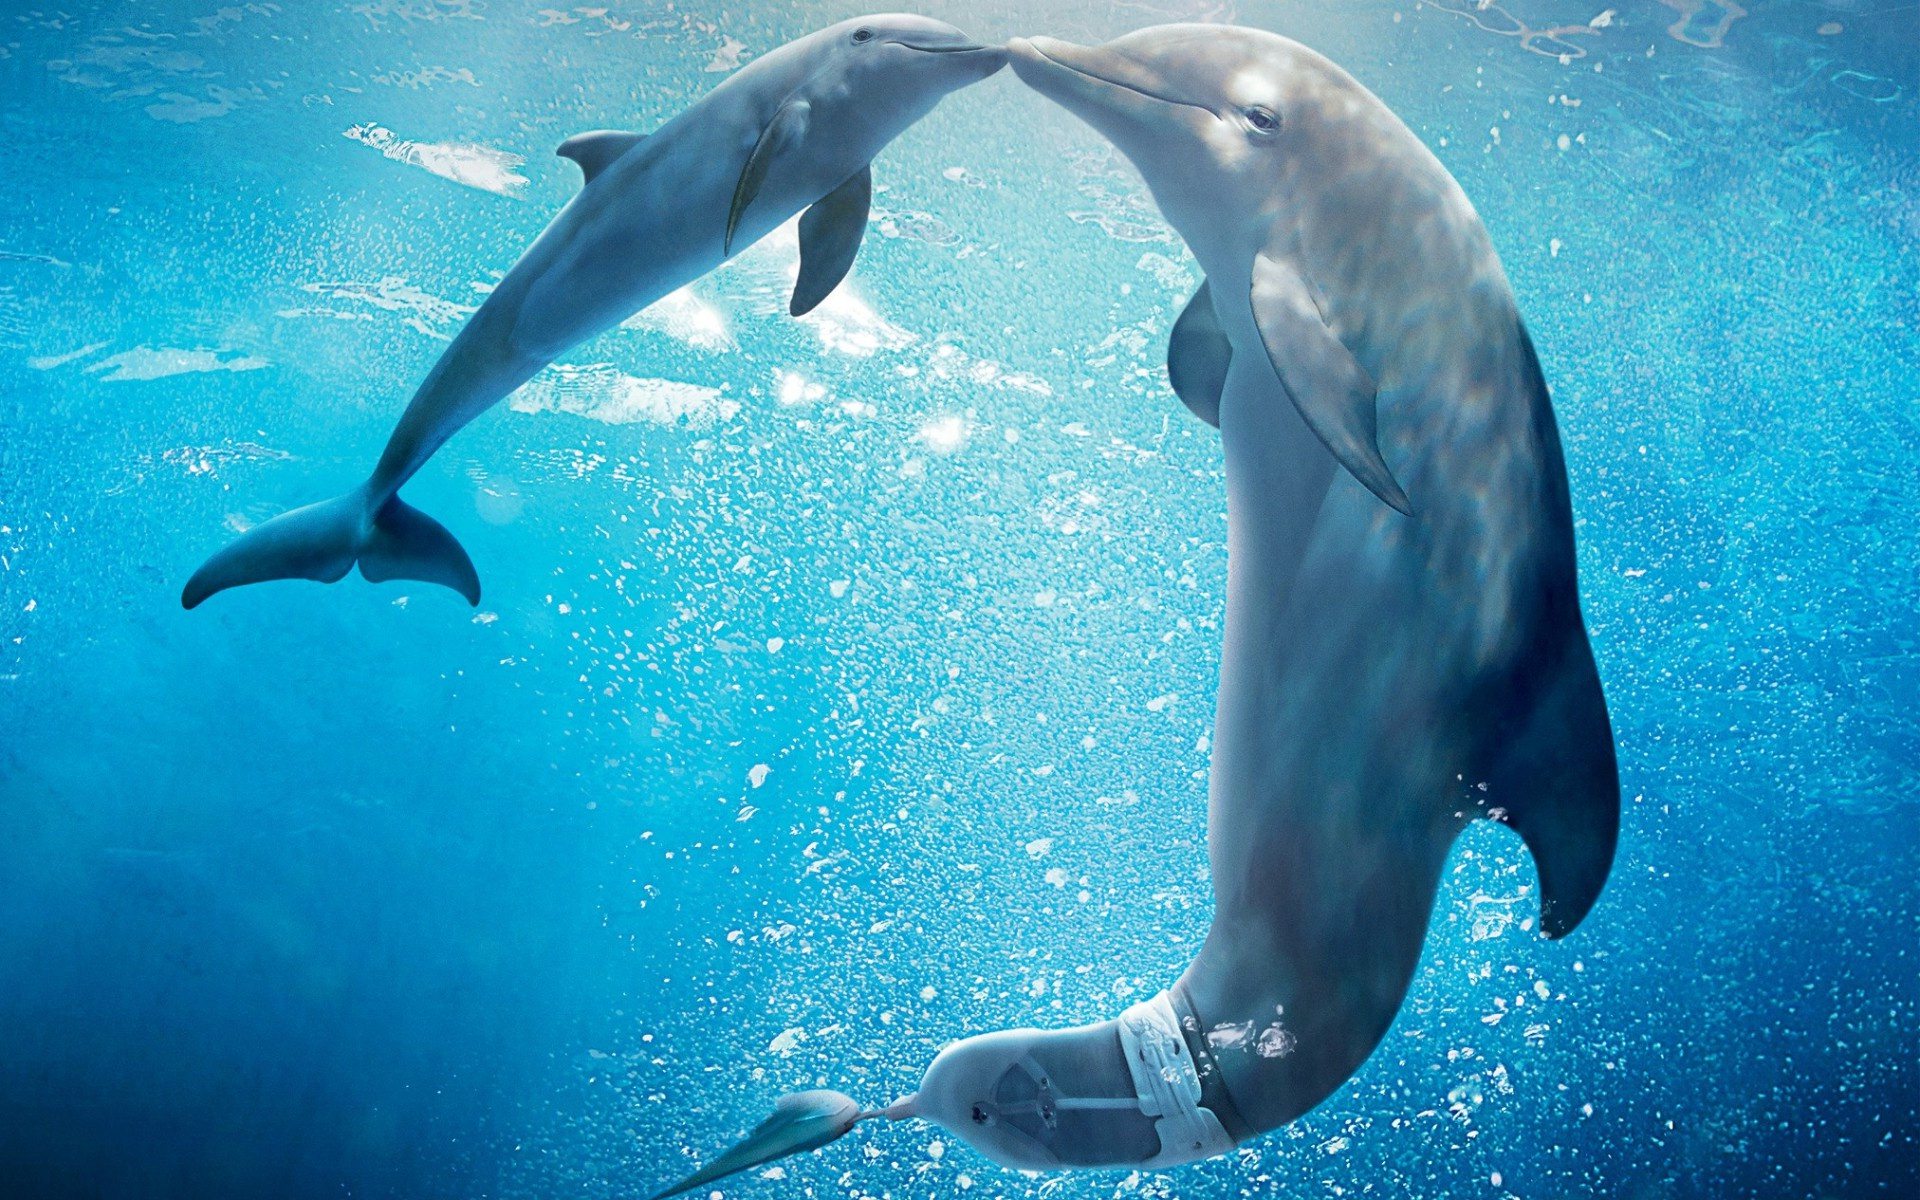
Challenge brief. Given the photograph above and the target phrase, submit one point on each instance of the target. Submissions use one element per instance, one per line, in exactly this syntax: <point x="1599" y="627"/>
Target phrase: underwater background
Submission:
<point x="843" y="686"/>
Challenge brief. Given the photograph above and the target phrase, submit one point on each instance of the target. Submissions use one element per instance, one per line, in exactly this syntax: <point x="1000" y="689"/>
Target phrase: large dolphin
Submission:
<point x="1404" y="648"/>
<point x="795" y="129"/>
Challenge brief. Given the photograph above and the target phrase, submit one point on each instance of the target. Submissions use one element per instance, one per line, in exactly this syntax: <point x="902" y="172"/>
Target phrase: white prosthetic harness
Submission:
<point x="1168" y="1085"/>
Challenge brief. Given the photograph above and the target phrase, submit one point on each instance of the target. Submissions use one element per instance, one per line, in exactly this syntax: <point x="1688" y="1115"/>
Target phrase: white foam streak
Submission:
<point x="464" y="163"/>
<point x="145" y="363"/>
<point x="602" y="392"/>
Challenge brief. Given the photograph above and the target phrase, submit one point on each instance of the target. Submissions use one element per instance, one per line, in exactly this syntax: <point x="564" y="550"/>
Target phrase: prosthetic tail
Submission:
<point x="800" y="1121"/>
<point x="1140" y="1091"/>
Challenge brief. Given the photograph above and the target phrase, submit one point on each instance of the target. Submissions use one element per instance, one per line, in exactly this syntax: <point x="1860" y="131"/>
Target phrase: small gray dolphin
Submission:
<point x="795" y="129"/>
<point x="1404" y="645"/>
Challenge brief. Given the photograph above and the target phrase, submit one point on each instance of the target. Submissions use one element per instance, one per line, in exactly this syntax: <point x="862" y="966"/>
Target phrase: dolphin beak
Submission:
<point x="1090" y="80"/>
<point x="983" y="59"/>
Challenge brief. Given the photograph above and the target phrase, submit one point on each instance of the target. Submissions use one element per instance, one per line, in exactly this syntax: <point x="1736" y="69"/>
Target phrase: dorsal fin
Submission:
<point x="1557" y="780"/>
<point x="596" y="150"/>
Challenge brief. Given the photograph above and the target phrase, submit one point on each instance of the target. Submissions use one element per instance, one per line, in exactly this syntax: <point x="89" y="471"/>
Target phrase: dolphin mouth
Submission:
<point x="963" y="48"/>
<point x="977" y="52"/>
<point x="1030" y="52"/>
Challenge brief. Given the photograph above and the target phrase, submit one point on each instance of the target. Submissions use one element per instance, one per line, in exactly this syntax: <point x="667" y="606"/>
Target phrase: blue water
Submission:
<point x="843" y="687"/>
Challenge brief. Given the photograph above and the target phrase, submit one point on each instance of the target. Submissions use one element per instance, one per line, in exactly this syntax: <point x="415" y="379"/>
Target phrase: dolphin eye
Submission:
<point x="863" y="34"/>
<point x="981" y="1116"/>
<point x="1263" y="119"/>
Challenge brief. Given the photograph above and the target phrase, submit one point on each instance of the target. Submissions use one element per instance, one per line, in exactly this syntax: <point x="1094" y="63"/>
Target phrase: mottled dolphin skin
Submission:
<point x="1404" y="646"/>
<point x="795" y="129"/>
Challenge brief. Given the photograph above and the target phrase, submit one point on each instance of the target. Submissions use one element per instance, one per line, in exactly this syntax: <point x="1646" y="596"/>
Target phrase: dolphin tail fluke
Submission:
<point x="322" y="542"/>
<point x="408" y="544"/>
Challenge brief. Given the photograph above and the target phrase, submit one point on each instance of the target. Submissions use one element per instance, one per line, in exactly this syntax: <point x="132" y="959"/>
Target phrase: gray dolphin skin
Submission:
<point x="1404" y="647"/>
<point x="795" y="129"/>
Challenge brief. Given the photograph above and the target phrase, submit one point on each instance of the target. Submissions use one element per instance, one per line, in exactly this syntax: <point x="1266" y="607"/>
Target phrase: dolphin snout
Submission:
<point x="1045" y="65"/>
<point x="982" y="59"/>
<point x="988" y="58"/>
<point x="1033" y="56"/>
<point x="955" y="45"/>
<point x="1048" y="53"/>
<point x="1093" y="81"/>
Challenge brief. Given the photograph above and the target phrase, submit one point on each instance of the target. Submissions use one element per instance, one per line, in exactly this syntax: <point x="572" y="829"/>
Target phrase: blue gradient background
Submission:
<point x="352" y="891"/>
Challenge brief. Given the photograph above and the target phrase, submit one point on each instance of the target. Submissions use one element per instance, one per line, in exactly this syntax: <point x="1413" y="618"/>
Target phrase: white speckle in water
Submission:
<point x="793" y="389"/>
<point x="726" y="58"/>
<point x="943" y="435"/>
<point x="784" y="1042"/>
<point x="685" y="316"/>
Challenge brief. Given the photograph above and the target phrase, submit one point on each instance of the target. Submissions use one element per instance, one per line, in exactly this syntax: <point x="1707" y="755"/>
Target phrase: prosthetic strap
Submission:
<point x="1162" y="1040"/>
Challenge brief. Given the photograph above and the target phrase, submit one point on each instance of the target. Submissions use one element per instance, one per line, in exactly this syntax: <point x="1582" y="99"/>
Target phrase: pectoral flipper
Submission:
<point x="1333" y="392"/>
<point x="830" y="234"/>
<point x="1198" y="354"/>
